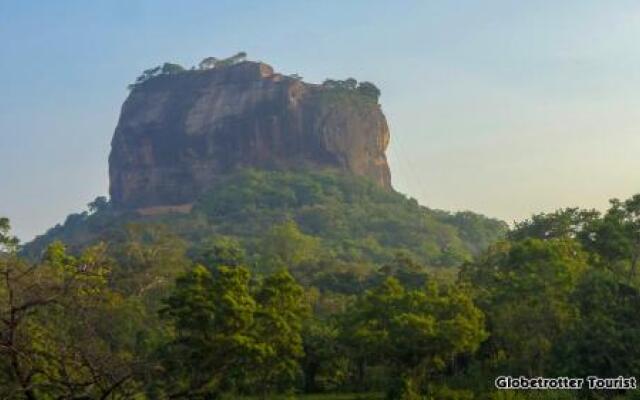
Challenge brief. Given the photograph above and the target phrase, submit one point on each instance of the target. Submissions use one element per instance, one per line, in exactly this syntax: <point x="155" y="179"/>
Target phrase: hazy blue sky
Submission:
<point x="501" y="107"/>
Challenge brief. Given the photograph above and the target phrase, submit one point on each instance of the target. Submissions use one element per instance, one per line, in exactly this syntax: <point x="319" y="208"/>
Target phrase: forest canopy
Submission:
<point x="147" y="315"/>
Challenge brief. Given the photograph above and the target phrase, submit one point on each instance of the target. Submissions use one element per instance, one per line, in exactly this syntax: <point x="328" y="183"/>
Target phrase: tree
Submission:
<point x="149" y="258"/>
<point x="568" y="223"/>
<point x="325" y="364"/>
<point x="524" y="288"/>
<point x="169" y="69"/>
<point x="8" y="242"/>
<point x="101" y="203"/>
<point x="370" y="90"/>
<point x="286" y="246"/>
<point x="212" y="314"/>
<point x="208" y="63"/>
<point x="145" y="76"/>
<point x="613" y="238"/>
<point x="616" y="236"/>
<point x="350" y="84"/>
<point x="53" y="341"/>
<point x="234" y="59"/>
<point x="347" y="84"/>
<point x="239" y="57"/>
<point x="278" y="332"/>
<point x="164" y="69"/>
<point x="330" y="83"/>
<point x="418" y="332"/>
<point x="222" y="250"/>
<point x="406" y="270"/>
<point x="603" y="340"/>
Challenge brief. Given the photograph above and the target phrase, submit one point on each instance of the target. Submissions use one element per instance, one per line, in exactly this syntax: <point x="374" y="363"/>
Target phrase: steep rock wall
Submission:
<point x="179" y="133"/>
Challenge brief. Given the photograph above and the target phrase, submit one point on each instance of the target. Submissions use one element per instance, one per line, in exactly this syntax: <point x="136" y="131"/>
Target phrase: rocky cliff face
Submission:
<point x="178" y="134"/>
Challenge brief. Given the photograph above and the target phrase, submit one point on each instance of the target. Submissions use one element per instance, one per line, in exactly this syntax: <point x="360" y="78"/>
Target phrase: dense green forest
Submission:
<point x="290" y="285"/>
<point x="350" y="218"/>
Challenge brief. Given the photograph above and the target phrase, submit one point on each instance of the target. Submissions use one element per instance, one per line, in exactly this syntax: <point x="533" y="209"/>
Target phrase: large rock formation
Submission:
<point x="178" y="133"/>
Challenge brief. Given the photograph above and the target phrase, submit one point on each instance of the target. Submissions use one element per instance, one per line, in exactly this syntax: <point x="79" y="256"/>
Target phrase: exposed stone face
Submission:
<point x="178" y="133"/>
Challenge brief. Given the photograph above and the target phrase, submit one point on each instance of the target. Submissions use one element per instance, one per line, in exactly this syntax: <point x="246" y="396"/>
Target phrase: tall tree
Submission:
<point x="278" y="331"/>
<point x="212" y="315"/>
<point x="616" y="237"/>
<point x="418" y="332"/>
<point x="524" y="288"/>
<point x="603" y="340"/>
<point x="325" y="364"/>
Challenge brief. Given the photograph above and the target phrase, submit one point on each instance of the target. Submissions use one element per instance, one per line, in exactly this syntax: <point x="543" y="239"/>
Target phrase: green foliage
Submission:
<point x="219" y="250"/>
<point x="340" y="89"/>
<point x="417" y="332"/>
<point x="211" y="313"/>
<point x="602" y="341"/>
<point x="405" y="388"/>
<point x="613" y="238"/>
<point x="8" y="243"/>
<point x="567" y="223"/>
<point x="561" y="294"/>
<point x="285" y="246"/>
<point x="353" y="218"/>
<point x="325" y="368"/>
<point x="54" y="330"/>
<point x="354" y="221"/>
<point x="278" y="332"/>
<point x="227" y="338"/>
<point x="368" y="89"/>
<point x="100" y="204"/>
<point x="234" y="59"/>
<point x="169" y="69"/>
<point x="164" y="69"/>
<point x="616" y="236"/>
<point x="524" y="288"/>
<point x="406" y="270"/>
<point x="318" y="282"/>
<point x="173" y="69"/>
<point x="213" y="62"/>
<point x="149" y="258"/>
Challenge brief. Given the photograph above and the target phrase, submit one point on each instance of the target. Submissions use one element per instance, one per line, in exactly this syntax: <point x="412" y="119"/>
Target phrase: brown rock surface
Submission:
<point x="178" y="133"/>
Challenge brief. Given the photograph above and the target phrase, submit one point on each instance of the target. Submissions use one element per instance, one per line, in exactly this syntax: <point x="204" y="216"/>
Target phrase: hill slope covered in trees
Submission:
<point x="150" y="316"/>
<point x="348" y="218"/>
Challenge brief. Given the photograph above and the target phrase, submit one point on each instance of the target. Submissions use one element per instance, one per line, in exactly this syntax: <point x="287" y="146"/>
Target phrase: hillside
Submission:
<point x="354" y="219"/>
<point x="233" y="148"/>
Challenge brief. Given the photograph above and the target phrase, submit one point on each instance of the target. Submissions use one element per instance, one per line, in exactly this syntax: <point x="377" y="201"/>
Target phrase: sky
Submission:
<point x="506" y="108"/>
